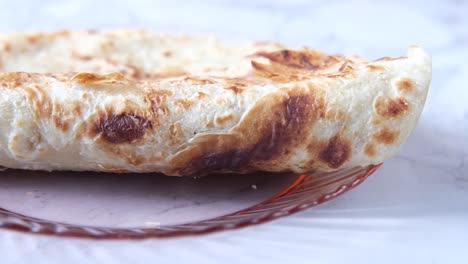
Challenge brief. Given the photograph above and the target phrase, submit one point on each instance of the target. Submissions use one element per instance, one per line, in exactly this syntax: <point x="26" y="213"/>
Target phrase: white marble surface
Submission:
<point x="413" y="210"/>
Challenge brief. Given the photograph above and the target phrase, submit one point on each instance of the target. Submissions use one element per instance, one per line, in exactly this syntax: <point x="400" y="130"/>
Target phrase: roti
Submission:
<point x="138" y="101"/>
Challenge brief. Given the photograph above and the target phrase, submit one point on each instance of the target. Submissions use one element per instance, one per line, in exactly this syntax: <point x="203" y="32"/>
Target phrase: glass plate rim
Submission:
<point x="247" y="217"/>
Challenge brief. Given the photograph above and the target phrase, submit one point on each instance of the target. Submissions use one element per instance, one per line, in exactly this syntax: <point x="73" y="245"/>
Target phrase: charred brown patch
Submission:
<point x="335" y="152"/>
<point x="199" y="81"/>
<point x="84" y="57"/>
<point x="184" y="103"/>
<point x="201" y="95"/>
<point x="286" y="128"/>
<point x="405" y="85"/>
<point x="305" y="63"/>
<point x="212" y="162"/>
<point x="304" y="59"/>
<point x="167" y="54"/>
<point x="386" y="136"/>
<point x="334" y="115"/>
<point x="175" y="133"/>
<point x="7" y="47"/>
<point x="81" y="56"/>
<point x="91" y="78"/>
<point x="32" y="39"/>
<point x="15" y="79"/>
<point x="343" y="67"/>
<point x="376" y="121"/>
<point x="223" y="119"/>
<point x="235" y="89"/>
<point x="61" y="124"/>
<point x="390" y="58"/>
<point x="60" y="116"/>
<point x="210" y="124"/>
<point x="122" y="128"/>
<point x="262" y="68"/>
<point x="157" y="100"/>
<point x="77" y="110"/>
<point x="374" y="67"/>
<point x="369" y="150"/>
<point x="388" y="107"/>
<point x="274" y="136"/>
<point x="221" y="101"/>
<point x="138" y="74"/>
<point x="296" y="65"/>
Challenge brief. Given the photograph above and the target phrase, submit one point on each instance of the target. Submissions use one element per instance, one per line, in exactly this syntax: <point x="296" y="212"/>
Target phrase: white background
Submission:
<point x="413" y="210"/>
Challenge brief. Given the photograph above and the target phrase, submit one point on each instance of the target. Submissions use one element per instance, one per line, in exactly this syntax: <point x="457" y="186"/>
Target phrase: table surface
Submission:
<point x="413" y="210"/>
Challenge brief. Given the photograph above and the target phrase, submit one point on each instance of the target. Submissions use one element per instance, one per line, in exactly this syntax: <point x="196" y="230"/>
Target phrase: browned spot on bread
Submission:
<point x="184" y="103"/>
<point x="156" y="98"/>
<point x="263" y="68"/>
<point x="7" y="47"/>
<point x="61" y="116"/>
<point x="393" y="108"/>
<point x="85" y="57"/>
<point x="32" y="39"/>
<point x="335" y="152"/>
<point x="386" y="136"/>
<point x="280" y="123"/>
<point x="223" y="119"/>
<point x="390" y="58"/>
<point x="334" y="115"/>
<point x="15" y="79"/>
<point x="81" y="56"/>
<point x="195" y="80"/>
<point x="91" y="78"/>
<point x="374" y="67"/>
<point x="201" y="95"/>
<point x="304" y="59"/>
<point x="167" y="53"/>
<point x="234" y="89"/>
<point x="296" y="65"/>
<point x="405" y="85"/>
<point x="369" y="150"/>
<point x="122" y="128"/>
<point x="129" y="156"/>
<point x="39" y="101"/>
<point x="221" y="101"/>
<point x="77" y="110"/>
<point x="343" y="67"/>
<point x="376" y="121"/>
<point x="138" y="74"/>
<point x="61" y="124"/>
<point x="60" y="33"/>
<point x="175" y="134"/>
<point x="210" y="124"/>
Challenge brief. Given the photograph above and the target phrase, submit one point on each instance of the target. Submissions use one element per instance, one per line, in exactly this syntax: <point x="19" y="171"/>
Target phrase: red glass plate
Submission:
<point x="99" y="205"/>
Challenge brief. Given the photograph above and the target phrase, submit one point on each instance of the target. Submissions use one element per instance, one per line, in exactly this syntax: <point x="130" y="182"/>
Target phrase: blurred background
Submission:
<point x="417" y="201"/>
<point x="337" y="26"/>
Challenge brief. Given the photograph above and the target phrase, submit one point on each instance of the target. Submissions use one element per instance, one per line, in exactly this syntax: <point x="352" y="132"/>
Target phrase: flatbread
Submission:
<point x="136" y="101"/>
